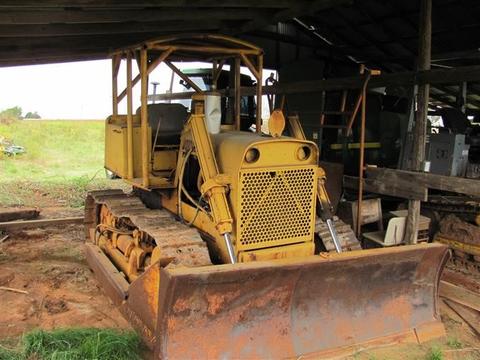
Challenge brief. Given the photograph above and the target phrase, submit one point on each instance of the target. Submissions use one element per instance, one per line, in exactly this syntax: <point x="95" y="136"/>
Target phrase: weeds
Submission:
<point x="454" y="343"/>
<point x="435" y="353"/>
<point x="76" y="344"/>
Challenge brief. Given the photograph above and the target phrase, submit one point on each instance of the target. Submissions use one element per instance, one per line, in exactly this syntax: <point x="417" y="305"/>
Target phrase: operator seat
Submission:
<point x="168" y="120"/>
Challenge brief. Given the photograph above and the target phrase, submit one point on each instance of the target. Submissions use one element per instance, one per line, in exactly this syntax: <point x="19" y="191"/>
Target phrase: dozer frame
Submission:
<point x="214" y="255"/>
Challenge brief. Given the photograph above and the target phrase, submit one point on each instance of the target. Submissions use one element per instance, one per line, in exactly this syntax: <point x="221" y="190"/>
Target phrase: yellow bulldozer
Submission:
<point x="214" y="253"/>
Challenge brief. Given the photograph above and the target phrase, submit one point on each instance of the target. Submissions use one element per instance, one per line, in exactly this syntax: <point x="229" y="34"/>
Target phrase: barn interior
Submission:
<point x="388" y="91"/>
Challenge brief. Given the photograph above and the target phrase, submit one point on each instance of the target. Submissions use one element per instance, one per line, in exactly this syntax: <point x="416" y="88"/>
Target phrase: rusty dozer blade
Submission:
<point x="289" y="308"/>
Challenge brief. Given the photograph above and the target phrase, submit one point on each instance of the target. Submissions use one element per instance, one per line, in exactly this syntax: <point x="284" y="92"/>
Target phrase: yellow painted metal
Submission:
<point x="129" y="117"/>
<point x="295" y="128"/>
<point x="294" y="251"/>
<point x="275" y="206"/>
<point x="144" y="119"/>
<point x="276" y="123"/>
<point x="214" y="188"/>
<point x="165" y="160"/>
<point x="116" y="146"/>
<point x="264" y="191"/>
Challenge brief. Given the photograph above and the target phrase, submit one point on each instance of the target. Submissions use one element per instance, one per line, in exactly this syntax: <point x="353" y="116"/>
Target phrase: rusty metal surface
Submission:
<point x="285" y="309"/>
<point x="113" y="282"/>
<point x="141" y="307"/>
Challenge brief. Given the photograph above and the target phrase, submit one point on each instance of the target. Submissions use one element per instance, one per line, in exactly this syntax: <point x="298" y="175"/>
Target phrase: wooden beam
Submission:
<point x="410" y="78"/>
<point x="431" y="181"/>
<point x="89" y="4"/>
<point x="31" y="224"/>
<point x="114" y="15"/>
<point x="258" y="115"/>
<point x="460" y="295"/>
<point x="467" y="315"/>
<point x="183" y="76"/>
<point x="407" y="78"/>
<point x="237" y="94"/>
<point x="48" y="30"/>
<point x="420" y="126"/>
<point x="400" y="188"/>
<point x="10" y="214"/>
<point x="251" y="67"/>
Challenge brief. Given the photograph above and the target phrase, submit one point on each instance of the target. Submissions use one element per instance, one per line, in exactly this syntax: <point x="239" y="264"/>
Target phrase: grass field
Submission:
<point x="63" y="160"/>
<point x="56" y="150"/>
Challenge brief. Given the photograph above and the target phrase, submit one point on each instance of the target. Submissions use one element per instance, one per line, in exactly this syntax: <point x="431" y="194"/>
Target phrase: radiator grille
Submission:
<point x="276" y="207"/>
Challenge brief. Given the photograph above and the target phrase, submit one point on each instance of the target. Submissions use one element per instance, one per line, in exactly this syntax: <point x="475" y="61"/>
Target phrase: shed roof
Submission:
<point x="381" y="33"/>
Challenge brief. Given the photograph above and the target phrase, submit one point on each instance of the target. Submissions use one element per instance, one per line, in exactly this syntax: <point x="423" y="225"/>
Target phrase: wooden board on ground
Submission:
<point x="10" y="214"/>
<point x="460" y="295"/>
<point x="31" y="224"/>
<point x="469" y="316"/>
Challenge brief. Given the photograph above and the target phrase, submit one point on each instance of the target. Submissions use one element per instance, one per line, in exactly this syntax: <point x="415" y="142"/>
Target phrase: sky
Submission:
<point x="76" y="90"/>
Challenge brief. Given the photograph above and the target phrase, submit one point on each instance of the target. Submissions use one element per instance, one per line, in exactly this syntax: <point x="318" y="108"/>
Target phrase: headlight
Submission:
<point x="303" y="153"/>
<point x="252" y="155"/>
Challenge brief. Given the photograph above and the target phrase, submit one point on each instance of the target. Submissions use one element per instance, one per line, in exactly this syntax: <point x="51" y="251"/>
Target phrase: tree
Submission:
<point x="9" y="115"/>
<point x="32" y="115"/>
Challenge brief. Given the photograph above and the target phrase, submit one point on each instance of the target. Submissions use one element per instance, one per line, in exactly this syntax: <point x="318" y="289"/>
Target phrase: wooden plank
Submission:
<point x="428" y="180"/>
<point x="401" y="188"/>
<point x="36" y="30"/>
<point x="470" y="317"/>
<point x="410" y="78"/>
<point x="89" y="4"/>
<point x="29" y="224"/>
<point x="420" y="127"/>
<point x="10" y="214"/>
<point x="460" y="295"/>
<point x="95" y="16"/>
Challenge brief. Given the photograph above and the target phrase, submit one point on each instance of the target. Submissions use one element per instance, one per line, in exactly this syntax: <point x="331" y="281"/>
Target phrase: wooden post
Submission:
<point x="115" y="67"/>
<point x="129" y="117"/>
<point x="144" y="118"/>
<point x="358" y="226"/>
<point x="237" y="94"/>
<point x="420" y="129"/>
<point x="258" y="123"/>
<point x="463" y="96"/>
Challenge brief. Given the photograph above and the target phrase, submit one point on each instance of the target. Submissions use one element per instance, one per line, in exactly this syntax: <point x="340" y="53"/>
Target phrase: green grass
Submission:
<point x="454" y="343"/>
<point x="76" y="344"/>
<point x="435" y="353"/>
<point x="63" y="160"/>
<point x="55" y="150"/>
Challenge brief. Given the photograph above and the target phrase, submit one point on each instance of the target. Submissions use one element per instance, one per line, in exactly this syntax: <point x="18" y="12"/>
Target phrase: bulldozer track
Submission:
<point x="345" y="234"/>
<point x="179" y="244"/>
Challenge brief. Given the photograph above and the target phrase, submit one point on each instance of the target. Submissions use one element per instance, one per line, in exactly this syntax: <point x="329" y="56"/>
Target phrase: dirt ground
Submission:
<point x="49" y="264"/>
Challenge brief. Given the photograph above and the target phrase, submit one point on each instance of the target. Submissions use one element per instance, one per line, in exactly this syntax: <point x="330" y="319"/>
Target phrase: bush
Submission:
<point x="10" y="115"/>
